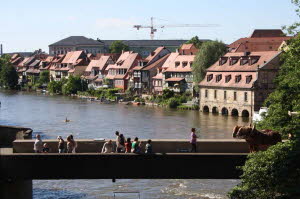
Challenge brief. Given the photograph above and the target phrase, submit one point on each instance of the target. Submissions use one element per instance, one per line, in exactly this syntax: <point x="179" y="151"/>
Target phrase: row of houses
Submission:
<point x="237" y="84"/>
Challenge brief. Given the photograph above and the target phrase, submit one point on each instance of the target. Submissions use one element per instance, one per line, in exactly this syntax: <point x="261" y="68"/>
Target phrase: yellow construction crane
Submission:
<point x="153" y="28"/>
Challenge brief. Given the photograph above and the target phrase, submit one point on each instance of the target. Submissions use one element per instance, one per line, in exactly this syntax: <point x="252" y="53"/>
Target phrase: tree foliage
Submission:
<point x="271" y="174"/>
<point x="196" y="41"/>
<point x="286" y="97"/>
<point x="117" y="47"/>
<point x="44" y="77"/>
<point x="8" y="74"/>
<point x="208" y="54"/>
<point x="74" y="84"/>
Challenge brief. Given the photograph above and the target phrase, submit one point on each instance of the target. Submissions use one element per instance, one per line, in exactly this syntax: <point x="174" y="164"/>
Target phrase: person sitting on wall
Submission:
<point x="107" y="147"/>
<point x="148" y="149"/>
<point x="46" y="148"/>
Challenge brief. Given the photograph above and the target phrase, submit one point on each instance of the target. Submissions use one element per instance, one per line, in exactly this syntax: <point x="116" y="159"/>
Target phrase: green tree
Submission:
<point x="196" y="41"/>
<point x="271" y="174"/>
<point x="74" y="84"/>
<point x="8" y="74"/>
<point x="44" y="77"/>
<point x="208" y="54"/>
<point x="286" y="97"/>
<point x="117" y="47"/>
<point x="55" y="87"/>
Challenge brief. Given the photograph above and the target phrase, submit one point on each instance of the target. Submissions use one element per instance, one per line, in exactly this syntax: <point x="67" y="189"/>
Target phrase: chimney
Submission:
<point x="247" y="53"/>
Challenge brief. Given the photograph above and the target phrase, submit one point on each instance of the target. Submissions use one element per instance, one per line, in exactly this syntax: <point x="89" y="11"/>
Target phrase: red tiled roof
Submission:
<point x="257" y="44"/>
<point x="119" y="76"/>
<point x="181" y="59"/>
<point x="137" y="68"/>
<point x="174" y="79"/>
<point x="267" y="33"/>
<point x="158" y="76"/>
<point x="72" y="57"/>
<point x="100" y="63"/>
<point x="264" y="57"/>
<point x="154" y="53"/>
<point x="186" y="46"/>
<point x="157" y="63"/>
<point x="31" y="70"/>
<point x="230" y="84"/>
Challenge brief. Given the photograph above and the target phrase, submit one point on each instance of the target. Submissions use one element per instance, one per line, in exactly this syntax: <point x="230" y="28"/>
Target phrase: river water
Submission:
<point x="46" y="115"/>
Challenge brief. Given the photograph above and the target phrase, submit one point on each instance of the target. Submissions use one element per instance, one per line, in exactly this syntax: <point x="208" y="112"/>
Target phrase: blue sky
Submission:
<point x="27" y="25"/>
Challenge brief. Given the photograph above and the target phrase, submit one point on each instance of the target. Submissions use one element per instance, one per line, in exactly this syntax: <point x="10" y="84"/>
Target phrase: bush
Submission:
<point x="274" y="173"/>
<point x="167" y="94"/>
<point x="173" y="102"/>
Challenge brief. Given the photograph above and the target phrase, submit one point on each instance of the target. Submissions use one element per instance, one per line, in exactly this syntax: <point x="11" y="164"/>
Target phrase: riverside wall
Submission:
<point x="159" y="146"/>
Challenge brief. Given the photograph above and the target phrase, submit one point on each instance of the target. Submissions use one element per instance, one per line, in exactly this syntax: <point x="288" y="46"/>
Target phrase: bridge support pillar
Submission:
<point x="16" y="189"/>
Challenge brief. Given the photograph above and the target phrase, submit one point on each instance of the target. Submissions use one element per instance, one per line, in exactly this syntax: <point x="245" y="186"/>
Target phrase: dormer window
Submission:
<point x="244" y="61"/>
<point x="223" y="60"/>
<point x="254" y="60"/>
<point x="238" y="78"/>
<point x="227" y="78"/>
<point x="233" y="60"/>
<point x="209" y="77"/>
<point x="248" y="79"/>
<point x="191" y="63"/>
<point x="184" y="64"/>
<point x="218" y="78"/>
<point x="177" y="64"/>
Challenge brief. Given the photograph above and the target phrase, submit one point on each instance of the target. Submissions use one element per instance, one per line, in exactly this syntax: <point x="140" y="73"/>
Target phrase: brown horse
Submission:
<point x="257" y="139"/>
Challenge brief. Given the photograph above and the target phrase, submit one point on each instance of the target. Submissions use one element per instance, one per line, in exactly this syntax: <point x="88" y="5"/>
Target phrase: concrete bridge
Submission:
<point x="215" y="159"/>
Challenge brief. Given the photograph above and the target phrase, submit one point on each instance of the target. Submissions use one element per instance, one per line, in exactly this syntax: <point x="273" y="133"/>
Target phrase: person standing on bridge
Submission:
<point x="38" y="144"/>
<point x="71" y="145"/>
<point x="61" y="144"/>
<point x="193" y="140"/>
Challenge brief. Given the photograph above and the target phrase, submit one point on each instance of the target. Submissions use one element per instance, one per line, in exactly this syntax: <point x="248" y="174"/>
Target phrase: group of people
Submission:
<point x="39" y="147"/>
<point x="126" y="145"/>
<point x="122" y="145"/>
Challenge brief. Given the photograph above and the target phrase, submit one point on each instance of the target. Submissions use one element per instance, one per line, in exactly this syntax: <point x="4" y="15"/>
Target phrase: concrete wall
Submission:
<point x="10" y="133"/>
<point x="159" y="146"/>
<point x="121" y="166"/>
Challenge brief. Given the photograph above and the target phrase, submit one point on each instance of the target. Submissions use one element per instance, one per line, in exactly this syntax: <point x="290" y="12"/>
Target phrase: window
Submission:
<point x="206" y="93"/>
<point x="191" y="63"/>
<point x="245" y="96"/>
<point x="209" y="77"/>
<point x="227" y="78"/>
<point x="244" y="61"/>
<point x="234" y="96"/>
<point x="248" y="79"/>
<point x="177" y="64"/>
<point x="233" y="61"/>
<point x="225" y="95"/>
<point x="223" y="60"/>
<point x="184" y="64"/>
<point x="218" y="78"/>
<point x="238" y="78"/>
<point x="215" y="95"/>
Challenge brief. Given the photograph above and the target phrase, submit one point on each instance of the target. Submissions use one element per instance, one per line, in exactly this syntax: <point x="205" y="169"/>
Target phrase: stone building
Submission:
<point x="238" y="83"/>
<point x="142" y="47"/>
<point x="76" y="43"/>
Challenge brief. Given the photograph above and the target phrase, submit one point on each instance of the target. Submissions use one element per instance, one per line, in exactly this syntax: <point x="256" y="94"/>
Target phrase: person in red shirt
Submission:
<point x="128" y="145"/>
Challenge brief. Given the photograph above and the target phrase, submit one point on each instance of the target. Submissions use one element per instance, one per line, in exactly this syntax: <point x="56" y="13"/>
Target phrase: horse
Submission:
<point x="257" y="139"/>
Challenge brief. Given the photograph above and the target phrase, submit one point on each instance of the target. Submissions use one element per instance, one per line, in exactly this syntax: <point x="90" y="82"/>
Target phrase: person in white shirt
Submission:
<point x="38" y="144"/>
<point x="107" y="147"/>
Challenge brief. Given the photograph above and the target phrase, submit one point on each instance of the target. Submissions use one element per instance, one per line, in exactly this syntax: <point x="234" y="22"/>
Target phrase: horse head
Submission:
<point x="244" y="132"/>
<point x="235" y="130"/>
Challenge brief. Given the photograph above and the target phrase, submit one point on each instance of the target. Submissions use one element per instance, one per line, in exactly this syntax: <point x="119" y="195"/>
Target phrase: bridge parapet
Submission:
<point x="159" y="146"/>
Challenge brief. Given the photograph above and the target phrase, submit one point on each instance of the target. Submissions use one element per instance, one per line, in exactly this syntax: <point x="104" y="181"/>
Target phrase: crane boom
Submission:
<point x="153" y="28"/>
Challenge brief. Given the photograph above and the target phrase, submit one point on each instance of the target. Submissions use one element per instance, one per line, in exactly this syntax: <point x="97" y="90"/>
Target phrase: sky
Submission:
<point x="27" y="25"/>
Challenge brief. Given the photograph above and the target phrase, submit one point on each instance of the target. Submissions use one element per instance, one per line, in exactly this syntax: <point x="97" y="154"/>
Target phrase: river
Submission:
<point x="46" y="114"/>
